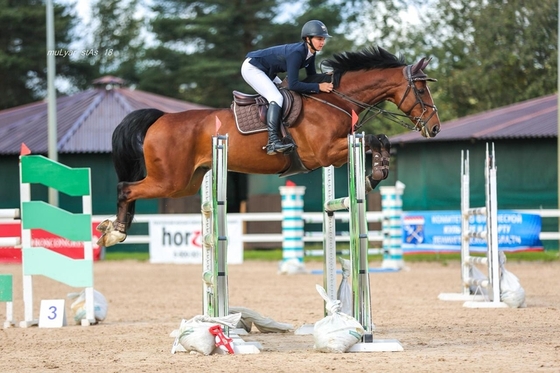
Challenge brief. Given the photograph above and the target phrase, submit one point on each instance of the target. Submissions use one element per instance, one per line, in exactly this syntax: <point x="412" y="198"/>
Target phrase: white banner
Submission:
<point x="179" y="240"/>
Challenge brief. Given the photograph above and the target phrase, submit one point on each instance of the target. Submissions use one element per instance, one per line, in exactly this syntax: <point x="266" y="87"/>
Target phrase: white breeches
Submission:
<point x="261" y="83"/>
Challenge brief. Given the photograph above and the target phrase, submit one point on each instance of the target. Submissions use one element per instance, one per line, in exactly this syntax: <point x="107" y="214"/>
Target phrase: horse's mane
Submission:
<point x="372" y="57"/>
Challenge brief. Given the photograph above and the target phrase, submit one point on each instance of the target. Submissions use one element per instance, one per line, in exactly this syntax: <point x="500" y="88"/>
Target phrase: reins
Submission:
<point x="375" y="110"/>
<point x="362" y="105"/>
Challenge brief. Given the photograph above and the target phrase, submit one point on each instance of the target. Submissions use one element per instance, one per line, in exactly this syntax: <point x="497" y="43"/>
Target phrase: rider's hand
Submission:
<point x="325" y="87"/>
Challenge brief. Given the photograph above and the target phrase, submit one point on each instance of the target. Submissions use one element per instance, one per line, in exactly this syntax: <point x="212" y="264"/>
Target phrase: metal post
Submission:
<point x="51" y="96"/>
<point x="358" y="232"/>
<point x="492" y="225"/>
<point x="219" y="186"/>
<point x="214" y="232"/>
<point x="208" y="305"/>
<point x="329" y="238"/>
<point x="465" y="238"/>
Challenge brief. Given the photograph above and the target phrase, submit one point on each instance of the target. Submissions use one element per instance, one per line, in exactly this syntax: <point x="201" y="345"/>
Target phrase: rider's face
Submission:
<point x="318" y="42"/>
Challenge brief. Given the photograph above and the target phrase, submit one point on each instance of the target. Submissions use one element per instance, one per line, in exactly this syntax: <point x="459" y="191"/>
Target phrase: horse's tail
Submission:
<point x="128" y="156"/>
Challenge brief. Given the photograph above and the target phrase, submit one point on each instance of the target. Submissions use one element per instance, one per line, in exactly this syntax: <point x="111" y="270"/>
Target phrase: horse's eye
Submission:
<point x="421" y="91"/>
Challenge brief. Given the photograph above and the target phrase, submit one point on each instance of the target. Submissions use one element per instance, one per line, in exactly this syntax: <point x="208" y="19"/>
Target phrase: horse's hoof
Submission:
<point x="369" y="187"/>
<point x="101" y="241"/>
<point x="105" y="226"/>
<point x="111" y="238"/>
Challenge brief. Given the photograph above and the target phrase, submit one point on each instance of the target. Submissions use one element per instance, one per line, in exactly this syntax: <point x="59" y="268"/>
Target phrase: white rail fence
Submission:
<point x="316" y="218"/>
<point x="545" y="213"/>
<point x="308" y="217"/>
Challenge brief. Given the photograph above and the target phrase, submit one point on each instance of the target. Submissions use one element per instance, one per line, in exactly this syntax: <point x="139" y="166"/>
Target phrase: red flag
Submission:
<point x="24" y="150"/>
<point x="354" y="120"/>
<point x="218" y="124"/>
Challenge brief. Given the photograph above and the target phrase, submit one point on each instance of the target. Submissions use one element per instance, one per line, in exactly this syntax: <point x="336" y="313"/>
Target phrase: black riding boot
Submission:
<point x="274" y="144"/>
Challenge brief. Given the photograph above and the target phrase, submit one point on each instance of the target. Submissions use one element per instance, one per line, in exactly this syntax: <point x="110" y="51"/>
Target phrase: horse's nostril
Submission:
<point x="435" y="130"/>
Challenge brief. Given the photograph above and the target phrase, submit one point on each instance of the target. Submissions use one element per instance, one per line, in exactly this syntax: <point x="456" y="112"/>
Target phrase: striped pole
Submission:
<point x="292" y="223"/>
<point x="391" y="206"/>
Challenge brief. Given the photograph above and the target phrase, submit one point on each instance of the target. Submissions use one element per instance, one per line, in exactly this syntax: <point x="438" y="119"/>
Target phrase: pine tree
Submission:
<point x="203" y="44"/>
<point x="23" y="50"/>
<point x="489" y="54"/>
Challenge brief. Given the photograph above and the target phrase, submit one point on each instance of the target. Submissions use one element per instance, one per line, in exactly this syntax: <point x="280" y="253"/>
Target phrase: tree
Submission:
<point x="384" y="23"/>
<point x="23" y="54"/>
<point x="203" y="44"/>
<point x="116" y="48"/>
<point x="489" y="54"/>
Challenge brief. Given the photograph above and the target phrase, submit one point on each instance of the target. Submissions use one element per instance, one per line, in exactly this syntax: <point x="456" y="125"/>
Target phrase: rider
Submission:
<point x="260" y="68"/>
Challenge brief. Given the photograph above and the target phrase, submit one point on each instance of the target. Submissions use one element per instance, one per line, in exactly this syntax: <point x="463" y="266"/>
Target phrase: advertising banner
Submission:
<point x="179" y="239"/>
<point x="437" y="231"/>
<point x="47" y="240"/>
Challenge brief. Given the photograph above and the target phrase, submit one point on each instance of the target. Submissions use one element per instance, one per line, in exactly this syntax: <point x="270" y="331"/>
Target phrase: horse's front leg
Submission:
<point x="380" y="149"/>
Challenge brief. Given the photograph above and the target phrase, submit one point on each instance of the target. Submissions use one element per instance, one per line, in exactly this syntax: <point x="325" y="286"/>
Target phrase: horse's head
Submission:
<point x="364" y="86"/>
<point x="415" y="100"/>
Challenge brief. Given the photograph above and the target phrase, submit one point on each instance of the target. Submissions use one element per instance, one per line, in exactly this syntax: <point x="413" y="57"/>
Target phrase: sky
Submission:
<point x="83" y="8"/>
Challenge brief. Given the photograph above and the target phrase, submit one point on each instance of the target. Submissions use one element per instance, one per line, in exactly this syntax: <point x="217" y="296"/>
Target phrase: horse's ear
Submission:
<point x="425" y="63"/>
<point x="418" y="66"/>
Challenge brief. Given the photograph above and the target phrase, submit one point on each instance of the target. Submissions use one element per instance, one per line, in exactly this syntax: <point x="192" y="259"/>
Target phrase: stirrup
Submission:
<point x="277" y="147"/>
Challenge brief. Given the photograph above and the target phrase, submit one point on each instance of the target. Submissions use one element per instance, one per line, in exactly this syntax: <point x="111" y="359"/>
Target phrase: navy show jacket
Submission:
<point x="288" y="58"/>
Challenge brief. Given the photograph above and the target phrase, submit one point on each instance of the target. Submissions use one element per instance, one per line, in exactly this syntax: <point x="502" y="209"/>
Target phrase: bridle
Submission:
<point x="419" y="123"/>
<point x="373" y="110"/>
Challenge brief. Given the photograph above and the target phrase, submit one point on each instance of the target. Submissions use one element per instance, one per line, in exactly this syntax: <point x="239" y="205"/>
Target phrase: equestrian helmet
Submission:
<point x="314" y="28"/>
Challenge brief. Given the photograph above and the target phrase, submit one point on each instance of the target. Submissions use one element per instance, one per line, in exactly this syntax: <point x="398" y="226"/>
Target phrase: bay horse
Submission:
<point x="163" y="155"/>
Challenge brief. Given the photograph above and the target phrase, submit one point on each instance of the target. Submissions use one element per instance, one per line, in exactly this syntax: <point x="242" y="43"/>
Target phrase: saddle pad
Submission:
<point x="247" y="119"/>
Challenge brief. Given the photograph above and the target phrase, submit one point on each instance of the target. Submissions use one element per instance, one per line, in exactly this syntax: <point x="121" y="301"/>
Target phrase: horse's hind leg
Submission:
<point x="380" y="149"/>
<point x="114" y="232"/>
<point x="150" y="187"/>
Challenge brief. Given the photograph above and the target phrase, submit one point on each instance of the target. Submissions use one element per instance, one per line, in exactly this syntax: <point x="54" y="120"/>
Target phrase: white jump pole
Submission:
<point x="215" y="243"/>
<point x="492" y="256"/>
<point x="477" y="299"/>
<point x="358" y="245"/>
<point x="214" y="230"/>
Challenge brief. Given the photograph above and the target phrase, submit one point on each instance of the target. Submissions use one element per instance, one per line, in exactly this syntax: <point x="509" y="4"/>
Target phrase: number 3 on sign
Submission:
<point x="52" y="314"/>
